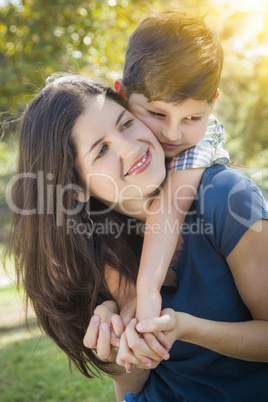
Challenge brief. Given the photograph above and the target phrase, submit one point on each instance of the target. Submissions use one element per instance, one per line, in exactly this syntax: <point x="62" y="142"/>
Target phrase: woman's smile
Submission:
<point x="141" y="164"/>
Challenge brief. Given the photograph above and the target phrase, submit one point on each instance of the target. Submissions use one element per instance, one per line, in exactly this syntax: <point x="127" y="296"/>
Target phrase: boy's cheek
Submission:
<point x="149" y="122"/>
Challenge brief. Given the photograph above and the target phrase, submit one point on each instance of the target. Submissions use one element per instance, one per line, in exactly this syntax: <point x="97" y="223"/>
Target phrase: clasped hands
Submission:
<point x="108" y="330"/>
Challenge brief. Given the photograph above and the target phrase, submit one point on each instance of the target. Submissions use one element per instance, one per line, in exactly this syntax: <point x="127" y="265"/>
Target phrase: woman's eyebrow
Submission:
<point x="101" y="139"/>
<point x="95" y="144"/>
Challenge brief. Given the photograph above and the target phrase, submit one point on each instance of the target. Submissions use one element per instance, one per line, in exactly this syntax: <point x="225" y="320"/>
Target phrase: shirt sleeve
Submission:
<point x="234" y="203"/>
<point x="209" y="151"/>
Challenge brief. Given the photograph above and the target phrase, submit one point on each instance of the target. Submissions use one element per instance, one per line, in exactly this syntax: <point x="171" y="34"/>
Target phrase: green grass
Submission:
<point x="32" y="368"/>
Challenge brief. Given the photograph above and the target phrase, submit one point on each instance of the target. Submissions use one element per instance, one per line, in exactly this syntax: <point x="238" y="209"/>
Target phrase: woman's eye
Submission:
<point x="156" y="114"/>
<point x="102" y="151"/>
<point x="193" y="118"/>
<point x="127" y="124"/>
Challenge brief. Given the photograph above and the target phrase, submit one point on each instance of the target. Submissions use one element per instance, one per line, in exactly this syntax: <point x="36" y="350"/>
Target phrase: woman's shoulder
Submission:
<point x="224" y="181"/>
<point x="228" y="189"/>
<point x="222" y="174"/>
<point x="228" y="192"/>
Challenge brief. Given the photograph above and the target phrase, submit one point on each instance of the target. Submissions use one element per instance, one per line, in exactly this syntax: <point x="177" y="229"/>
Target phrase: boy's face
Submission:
<point x="176" y="126"/>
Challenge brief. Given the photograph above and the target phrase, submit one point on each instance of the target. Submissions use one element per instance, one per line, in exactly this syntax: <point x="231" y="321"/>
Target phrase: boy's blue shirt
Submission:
<point x="227" y="204"/>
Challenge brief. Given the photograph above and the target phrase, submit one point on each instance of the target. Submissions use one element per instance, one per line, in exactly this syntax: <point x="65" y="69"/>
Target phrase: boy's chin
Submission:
<point x="170" y="154"/>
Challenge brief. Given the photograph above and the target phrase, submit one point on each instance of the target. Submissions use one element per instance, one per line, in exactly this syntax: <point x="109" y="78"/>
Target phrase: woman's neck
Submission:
<point x="135" y="207"/>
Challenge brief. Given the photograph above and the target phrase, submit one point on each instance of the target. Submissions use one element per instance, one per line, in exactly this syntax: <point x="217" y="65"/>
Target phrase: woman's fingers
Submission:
<point x="139" y="346"/>
<point x="106" y="310"/>
<point x="164" y="323"/>
<point x="163" y="340"/>
<point x="153" y="343"/>
<point x="91" y="337"/>
<point x="118" y="326"/>
<point x="98" y="336"/>
<point x="103" y="342"/>
<point x="125" y="357"/>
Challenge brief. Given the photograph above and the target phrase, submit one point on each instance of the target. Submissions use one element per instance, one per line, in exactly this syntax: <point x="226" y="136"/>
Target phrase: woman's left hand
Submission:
<point x="134" y="350"/>
<point x="104" y="330"/>
<point x="168" y="323"/>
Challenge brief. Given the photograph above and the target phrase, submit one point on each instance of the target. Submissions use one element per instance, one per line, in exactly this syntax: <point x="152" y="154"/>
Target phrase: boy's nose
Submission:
<point x="172" y="132"/>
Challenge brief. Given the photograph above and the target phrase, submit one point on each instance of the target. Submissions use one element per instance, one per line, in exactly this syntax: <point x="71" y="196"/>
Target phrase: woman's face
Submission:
<point x="118" y="158"/>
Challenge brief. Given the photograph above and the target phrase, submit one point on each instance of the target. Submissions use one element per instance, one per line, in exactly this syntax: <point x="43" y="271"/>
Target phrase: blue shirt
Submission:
<point x="227" y="204"/>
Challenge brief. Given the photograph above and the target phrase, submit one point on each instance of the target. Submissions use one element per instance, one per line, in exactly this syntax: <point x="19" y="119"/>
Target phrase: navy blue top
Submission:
<point x="227" y="204"/>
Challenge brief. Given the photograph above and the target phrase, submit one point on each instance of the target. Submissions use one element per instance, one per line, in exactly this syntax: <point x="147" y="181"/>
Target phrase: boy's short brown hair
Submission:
<point x="172" y="56"/>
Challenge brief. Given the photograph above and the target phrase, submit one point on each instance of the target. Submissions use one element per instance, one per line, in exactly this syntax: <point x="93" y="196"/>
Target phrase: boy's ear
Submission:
<point x="216" y="97"/>
<point x="81" y="196"/>
<point x="120" y="89"/>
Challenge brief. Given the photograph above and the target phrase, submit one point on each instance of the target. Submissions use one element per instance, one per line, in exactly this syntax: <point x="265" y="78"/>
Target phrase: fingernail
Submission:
<point x="105" y="326"/>
<point x="133" y="321"/>
<point x="166" y="356"/>
<point x="149" y="364"/>
<point x="116" y="319"/>
<point x="96" y="318"/>
<point x="140" y="326"/>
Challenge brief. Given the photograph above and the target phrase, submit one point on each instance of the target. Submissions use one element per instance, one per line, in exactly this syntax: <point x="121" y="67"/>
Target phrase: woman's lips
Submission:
<point x="141" y="164"/>
<point x="169" y="147"/>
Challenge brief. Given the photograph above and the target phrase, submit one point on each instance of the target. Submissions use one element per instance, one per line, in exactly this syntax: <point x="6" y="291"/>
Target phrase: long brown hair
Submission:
<point x="61" y="269"/>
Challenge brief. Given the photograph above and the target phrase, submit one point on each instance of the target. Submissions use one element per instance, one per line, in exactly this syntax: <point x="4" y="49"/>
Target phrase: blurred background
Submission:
<point x="39" y="38"/>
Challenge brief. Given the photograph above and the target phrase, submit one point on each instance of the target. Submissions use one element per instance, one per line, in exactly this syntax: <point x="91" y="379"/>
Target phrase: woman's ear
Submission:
<point x="120" y="89"/>
<point x="81" y="196"/>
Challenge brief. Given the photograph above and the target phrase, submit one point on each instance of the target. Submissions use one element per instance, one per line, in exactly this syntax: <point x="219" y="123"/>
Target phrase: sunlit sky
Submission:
<point x="242" y="5"/>
<point x="255" y="7"/>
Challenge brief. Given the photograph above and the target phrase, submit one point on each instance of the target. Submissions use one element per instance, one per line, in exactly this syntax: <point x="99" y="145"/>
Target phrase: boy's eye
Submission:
<point x="127" y="124"/>
<point x="193" y="118"/>
<point x="102" y="151"/>
<point x="156" y="114"/>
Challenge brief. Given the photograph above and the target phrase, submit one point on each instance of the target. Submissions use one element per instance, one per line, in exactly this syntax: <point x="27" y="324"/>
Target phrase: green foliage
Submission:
<point x="43" y="37"/>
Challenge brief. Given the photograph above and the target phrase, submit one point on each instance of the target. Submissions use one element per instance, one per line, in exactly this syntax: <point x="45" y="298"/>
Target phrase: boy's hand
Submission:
<point x="149" y="307"/>
<point x="149" y="304"/>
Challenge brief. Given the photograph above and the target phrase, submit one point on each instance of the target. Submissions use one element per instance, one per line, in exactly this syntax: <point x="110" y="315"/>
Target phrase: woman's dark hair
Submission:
<point x="61" y="270"/>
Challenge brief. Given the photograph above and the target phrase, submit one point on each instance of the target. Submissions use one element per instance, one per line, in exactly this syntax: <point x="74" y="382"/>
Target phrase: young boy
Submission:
<point x="171" y="75"/>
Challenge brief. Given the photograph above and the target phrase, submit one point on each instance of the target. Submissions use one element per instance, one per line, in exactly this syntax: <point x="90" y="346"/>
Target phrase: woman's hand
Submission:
<point x="168" y="323"/>
<point x="133" y="350"/>
<point x="104" y="330"/>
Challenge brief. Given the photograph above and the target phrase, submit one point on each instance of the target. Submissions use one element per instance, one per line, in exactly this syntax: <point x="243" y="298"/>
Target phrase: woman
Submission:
<point x="91" y="150"/>
<point x="62" y="265"/>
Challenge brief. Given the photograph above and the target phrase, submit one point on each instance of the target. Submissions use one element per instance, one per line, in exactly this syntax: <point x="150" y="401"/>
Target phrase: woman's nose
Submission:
<point x="127" y="147"/>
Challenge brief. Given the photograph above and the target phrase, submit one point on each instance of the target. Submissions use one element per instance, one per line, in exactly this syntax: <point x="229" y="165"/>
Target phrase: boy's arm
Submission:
<point x="165" y="217"/>
<point x="124" y="294"/>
